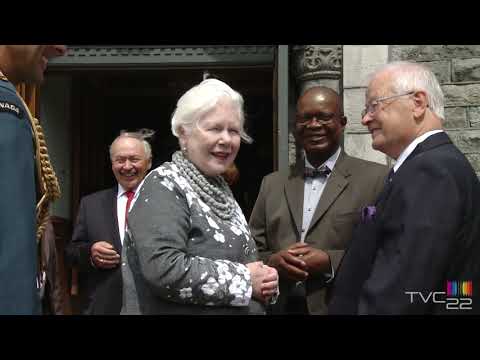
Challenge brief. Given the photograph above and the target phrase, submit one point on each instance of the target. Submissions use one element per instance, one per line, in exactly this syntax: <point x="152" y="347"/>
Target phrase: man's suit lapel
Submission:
<point x="334" y="187"/>
<point x="111" y="208"/>
<point x="294" y="194"/>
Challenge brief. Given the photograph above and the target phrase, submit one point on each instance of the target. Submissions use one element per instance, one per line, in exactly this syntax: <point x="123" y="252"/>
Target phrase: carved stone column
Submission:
<point x="317" y="65"/>
<point x="314" y="65"/>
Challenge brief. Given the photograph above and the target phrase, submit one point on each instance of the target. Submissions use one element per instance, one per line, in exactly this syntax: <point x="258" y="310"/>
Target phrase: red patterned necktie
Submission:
<point x="129" y="194"/>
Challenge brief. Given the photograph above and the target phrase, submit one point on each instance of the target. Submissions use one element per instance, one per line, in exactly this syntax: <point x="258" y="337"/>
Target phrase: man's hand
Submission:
<point x="103" y="255"/>
<point x="317" y="261"/>
<point x="289" y="265"/>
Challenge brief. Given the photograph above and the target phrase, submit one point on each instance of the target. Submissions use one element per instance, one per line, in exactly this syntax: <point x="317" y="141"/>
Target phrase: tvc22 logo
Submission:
<point x="457" y="297"/>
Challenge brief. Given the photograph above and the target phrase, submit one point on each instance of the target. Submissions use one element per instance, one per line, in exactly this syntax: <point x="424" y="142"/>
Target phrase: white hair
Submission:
<point x="415" y="77"/>
<point x="141" y="135"/>
<point x="202" y="98"/>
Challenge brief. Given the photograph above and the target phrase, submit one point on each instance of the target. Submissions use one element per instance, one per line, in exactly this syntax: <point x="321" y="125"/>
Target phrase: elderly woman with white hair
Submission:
<point x="188" y="248"/>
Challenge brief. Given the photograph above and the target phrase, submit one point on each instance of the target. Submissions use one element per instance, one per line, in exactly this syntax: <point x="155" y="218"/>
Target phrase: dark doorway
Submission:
<point x="105" y="102"/>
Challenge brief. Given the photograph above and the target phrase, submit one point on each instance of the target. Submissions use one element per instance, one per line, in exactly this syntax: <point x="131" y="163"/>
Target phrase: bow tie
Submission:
<point x="313" y="173"/>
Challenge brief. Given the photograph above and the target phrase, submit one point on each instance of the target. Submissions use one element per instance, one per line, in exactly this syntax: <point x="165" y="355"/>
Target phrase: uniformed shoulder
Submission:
<point x="10" y="103"/>
<point x="7" y="88"/>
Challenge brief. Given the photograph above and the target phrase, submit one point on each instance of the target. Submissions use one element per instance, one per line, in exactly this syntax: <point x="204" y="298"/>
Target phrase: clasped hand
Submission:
<point x="299" y="261"/>
<point x="264" y="281"/>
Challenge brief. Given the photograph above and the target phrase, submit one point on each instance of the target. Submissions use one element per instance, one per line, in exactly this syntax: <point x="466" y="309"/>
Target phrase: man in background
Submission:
<point x="98" y="235"/>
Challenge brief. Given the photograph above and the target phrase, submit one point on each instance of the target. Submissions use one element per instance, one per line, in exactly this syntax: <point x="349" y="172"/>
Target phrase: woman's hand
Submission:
<point x="270" y="283"/>
<point x="264" y="281"/>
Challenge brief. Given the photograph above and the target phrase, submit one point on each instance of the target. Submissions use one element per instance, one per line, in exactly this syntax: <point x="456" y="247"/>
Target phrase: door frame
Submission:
<point x="155" y="56"/>
<point x="81" y="58"/>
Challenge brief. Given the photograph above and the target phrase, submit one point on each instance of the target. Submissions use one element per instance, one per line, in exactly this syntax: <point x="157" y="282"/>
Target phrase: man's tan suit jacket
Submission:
<point x="276" y="219"/>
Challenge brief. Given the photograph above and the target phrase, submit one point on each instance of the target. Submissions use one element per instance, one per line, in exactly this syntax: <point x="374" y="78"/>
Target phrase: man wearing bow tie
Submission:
<point x="102" y="217"/>
<point x="302" y="220"/>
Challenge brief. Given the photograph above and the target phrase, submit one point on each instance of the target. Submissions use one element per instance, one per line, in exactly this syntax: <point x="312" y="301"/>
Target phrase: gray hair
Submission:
<point x="141" y="135"/>
<point x="416" y="77"/>
<point x="202" y="98"/>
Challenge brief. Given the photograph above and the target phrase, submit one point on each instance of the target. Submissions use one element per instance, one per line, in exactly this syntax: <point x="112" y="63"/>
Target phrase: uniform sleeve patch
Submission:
<point x="6" y="106"/>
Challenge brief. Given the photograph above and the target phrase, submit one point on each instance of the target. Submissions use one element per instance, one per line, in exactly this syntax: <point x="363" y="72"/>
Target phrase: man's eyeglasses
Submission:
<point x="321" y="118"/>
<point x="372" y="107"/>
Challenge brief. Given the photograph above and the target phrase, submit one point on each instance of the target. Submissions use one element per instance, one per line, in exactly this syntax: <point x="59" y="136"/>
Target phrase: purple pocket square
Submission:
<point x="368" y="213"/>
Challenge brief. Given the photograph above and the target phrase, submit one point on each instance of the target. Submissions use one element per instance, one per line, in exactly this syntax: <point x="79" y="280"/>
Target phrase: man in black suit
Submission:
<point x="417" y="250"/>
<point x="98" y="235"/>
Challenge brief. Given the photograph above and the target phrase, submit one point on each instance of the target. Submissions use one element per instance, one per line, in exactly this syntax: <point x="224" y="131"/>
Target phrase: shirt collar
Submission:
<point x="121" y="191"/>
<point x="409" y="149"/>
<point x="330" y="163"/>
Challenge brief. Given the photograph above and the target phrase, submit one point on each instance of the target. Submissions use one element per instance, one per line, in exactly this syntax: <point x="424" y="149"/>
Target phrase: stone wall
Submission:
<point x="358" y="62"/>
<point x="457" y="67"/>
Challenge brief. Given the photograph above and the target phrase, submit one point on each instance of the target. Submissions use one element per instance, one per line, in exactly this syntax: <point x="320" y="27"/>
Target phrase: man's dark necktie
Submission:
<point x="389" y="177"/>
<point x="319" y="172"/>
